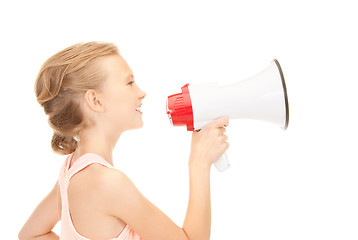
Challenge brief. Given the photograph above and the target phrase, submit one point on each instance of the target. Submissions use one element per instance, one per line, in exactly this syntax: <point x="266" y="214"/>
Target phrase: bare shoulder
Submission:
<point x="100" y="182"/>
<point x="98" y="178"/>
<point x="115" y="184"/>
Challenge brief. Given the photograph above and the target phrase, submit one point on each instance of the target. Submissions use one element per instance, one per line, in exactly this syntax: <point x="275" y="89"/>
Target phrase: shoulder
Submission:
<point x="98" y="177"/>
<point x="106" y="187"/>
<point x="115" y="192"/>
<point x="101" y="180"/>
<point x="110" y="180"/>
<point x="114" y="184"/>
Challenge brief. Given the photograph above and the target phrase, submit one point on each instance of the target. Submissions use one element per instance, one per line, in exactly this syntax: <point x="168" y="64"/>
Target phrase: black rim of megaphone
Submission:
<point x="285" y="92"/>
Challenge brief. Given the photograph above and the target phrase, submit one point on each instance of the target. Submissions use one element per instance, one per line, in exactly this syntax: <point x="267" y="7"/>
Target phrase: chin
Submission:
<point x="133" y="123"/>
<point x="138" y="125"/>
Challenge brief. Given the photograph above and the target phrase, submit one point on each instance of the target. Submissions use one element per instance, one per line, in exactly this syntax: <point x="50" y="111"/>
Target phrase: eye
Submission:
<point x="131" y="83"/>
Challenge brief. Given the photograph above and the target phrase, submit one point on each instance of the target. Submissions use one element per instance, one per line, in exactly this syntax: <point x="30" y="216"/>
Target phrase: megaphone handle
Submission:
<point x="222" y="163"/>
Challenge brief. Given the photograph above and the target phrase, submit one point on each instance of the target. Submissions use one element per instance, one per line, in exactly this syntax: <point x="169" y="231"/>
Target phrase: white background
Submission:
<point x="294" y="184"/>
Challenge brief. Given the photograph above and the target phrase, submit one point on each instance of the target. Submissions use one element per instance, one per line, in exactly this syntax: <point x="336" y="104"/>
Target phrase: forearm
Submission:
<point x="43" y="219"/>
<point x="197" y="223"/>
<point x="48" y="236"/>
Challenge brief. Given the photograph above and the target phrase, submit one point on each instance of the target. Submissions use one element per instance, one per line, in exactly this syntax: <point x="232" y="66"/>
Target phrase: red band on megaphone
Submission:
<point x="179" y="109"/>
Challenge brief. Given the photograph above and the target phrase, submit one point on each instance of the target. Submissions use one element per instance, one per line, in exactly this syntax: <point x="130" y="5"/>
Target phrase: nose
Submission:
<point x="142" y="94"/>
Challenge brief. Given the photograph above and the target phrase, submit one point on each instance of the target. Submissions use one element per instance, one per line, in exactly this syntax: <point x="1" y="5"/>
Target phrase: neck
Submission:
<point x="98" y="142"/>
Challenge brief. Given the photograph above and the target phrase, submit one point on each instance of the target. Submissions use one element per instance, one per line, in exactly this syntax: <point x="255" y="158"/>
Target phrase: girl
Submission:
<point x="90" y="96"/>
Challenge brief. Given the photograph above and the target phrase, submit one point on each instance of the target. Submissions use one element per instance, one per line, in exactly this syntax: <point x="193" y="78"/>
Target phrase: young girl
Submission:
<point x="90" y="96"/>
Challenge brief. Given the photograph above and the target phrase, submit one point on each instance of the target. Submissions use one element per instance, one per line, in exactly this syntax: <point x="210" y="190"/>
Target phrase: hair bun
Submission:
<point x="63" y="144"/>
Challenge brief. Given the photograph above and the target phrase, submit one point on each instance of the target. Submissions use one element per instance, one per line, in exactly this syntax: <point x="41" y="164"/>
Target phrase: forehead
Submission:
<point x="114" y="66"/>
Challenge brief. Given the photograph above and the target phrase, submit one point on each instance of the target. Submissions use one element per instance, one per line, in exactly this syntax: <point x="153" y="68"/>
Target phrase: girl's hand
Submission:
<point x="208" y="144"/>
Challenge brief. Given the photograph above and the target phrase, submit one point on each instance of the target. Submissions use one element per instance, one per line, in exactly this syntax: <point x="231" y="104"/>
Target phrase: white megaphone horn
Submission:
<point x="261" y="97"/>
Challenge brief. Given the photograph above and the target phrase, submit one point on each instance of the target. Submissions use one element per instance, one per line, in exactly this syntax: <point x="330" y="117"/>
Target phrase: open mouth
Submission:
<point x="138" y="110"/>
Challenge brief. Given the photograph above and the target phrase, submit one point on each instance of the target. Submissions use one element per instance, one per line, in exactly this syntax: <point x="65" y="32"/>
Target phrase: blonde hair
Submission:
<point x="61" y="82"/>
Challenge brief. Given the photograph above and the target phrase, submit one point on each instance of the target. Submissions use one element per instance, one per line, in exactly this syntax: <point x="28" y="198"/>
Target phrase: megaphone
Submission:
<point x="260" y="97"/>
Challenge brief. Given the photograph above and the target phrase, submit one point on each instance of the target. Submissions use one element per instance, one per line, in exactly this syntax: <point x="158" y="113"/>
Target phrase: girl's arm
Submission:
<point x="207" y="146"/>
<point x="123" y="200"/>
<point x="41" y="222"/>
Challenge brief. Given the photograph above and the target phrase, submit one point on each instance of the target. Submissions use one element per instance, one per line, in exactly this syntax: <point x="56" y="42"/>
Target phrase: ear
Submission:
<point x="93" y="100"/>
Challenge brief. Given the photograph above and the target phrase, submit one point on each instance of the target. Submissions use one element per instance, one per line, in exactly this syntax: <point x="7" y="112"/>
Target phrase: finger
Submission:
<point x="227" y="145"/>
<point x="225" y="138"/>
<point x="222" y="130"/>
<point x="220" y="122"/>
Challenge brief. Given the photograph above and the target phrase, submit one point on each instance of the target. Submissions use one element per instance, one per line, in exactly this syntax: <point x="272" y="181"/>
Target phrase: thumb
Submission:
<point x="220" y="122"/>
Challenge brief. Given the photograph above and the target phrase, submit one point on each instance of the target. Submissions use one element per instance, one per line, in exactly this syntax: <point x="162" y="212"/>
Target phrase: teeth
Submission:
<point x="137" y="109"/>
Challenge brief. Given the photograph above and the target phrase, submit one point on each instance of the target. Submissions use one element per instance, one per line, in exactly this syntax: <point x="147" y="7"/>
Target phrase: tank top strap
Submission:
<point x="83" y="162"/>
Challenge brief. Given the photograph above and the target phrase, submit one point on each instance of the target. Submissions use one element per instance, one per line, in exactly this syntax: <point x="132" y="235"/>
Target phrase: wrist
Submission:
<point x="199" y="166"/>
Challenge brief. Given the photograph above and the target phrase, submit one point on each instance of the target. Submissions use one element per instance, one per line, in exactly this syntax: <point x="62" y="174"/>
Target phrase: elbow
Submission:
<point x="21" y="236"/>
<point x="200" y="237"/>
<point x="186" y="235"/>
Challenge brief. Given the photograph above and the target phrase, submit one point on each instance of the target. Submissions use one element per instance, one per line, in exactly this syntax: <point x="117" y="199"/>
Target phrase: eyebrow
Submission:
<point x="130" y="76"/>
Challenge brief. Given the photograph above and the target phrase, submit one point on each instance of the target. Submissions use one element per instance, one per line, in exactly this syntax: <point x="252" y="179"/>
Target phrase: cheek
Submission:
<point x="121" y="107"/>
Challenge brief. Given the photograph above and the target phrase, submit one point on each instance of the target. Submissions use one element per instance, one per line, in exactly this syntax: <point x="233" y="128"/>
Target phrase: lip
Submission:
<point x="138" y="109"/>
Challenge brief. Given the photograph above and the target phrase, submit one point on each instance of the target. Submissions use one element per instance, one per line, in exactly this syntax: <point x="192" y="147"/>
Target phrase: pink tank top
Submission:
<point x="68" y="231"/>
